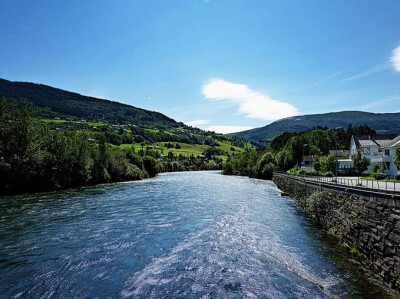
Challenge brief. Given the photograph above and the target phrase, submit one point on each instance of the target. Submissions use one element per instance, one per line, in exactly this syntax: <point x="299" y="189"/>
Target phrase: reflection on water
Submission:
<point x="197" y="234"/>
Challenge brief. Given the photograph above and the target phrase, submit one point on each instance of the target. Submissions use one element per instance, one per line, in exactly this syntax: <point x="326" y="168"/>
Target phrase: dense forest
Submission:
<point x="35" y="157"/>
<point x="286" y="151"/>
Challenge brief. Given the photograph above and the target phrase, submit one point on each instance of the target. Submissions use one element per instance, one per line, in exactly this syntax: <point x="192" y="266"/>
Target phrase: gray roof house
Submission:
<point x="370" y="146"/>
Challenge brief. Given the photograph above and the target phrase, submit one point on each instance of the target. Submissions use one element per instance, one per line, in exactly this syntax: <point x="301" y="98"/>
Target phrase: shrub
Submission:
<point x="375" y="169"/>
<point x="293" y="170"/>
<point x="311" y="172"/>
<point x="300" y="171"/>
<point x="397" y="177"/>
<point x="380" y="176"/>
<point x="313" y="202"/>
<point x="328" y="174"/>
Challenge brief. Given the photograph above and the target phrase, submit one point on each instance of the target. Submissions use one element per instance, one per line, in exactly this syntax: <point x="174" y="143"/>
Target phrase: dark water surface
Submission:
<point x="180" y="235"/>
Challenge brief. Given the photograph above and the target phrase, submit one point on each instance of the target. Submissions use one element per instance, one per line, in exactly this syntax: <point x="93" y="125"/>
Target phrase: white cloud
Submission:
<point x="228" y="129"/>
<point x="251" y="103"/>
<point x="198" y="122"/>
<point x="395" y="59"/>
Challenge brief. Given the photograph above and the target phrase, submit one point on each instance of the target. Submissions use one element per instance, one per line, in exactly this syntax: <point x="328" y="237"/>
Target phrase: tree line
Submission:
<point x="286" y="151"/>
<point x="35" y="158"/>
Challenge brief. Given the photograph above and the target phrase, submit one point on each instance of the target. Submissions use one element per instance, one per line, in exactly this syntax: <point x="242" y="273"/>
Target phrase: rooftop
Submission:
<point x="368" y="141"/>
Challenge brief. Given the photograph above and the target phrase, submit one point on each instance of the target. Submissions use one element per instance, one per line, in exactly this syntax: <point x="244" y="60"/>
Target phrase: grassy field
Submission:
<point x="187" y="149"/>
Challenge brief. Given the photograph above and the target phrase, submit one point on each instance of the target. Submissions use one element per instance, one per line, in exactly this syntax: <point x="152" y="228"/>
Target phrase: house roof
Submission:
<point x="363" y="141"/>
<point x="395" y="143"/>
<point x="384" y="140"/>
<point x="368" y="141"/>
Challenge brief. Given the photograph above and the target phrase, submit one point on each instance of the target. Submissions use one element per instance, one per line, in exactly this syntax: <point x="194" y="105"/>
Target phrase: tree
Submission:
<point x="360" y="163"/>
<point x="397" y="161"/>
<point x="150" y="165"/>
<point x="265" y="167"/>
<point x="328" y="163"/>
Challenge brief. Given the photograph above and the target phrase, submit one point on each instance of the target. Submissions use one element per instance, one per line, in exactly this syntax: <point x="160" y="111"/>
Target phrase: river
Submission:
<point x="179" y="235"/>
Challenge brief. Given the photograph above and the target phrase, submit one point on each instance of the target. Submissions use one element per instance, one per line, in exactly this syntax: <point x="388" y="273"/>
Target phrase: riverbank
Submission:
<point x="367" y="222"/>
<point x="3" y="193"/>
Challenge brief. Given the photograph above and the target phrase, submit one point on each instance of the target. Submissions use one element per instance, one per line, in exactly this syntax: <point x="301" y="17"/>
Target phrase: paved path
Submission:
<point x="358" y="182"/>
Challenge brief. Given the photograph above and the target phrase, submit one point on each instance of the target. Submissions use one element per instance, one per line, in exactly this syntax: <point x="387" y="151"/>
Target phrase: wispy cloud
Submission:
<point x="317" y="83"/>
<point x="197" y="122"/>
<point x="381" y="102"/>
<point x="251" y="103"/>
<point x="395" y="59"/>
<point x="228" y="129"/>
<point x="373" y="70"/>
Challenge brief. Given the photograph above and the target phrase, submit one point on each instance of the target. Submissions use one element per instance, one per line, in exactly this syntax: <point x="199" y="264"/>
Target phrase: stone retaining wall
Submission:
<point x="369" y="222"/>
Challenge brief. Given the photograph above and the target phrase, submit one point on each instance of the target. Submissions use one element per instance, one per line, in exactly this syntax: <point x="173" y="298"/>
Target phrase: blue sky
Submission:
<point x="216" y="64"/>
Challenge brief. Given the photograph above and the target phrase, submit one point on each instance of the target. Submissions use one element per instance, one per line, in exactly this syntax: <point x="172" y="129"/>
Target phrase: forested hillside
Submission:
<point x="54" y="102"/>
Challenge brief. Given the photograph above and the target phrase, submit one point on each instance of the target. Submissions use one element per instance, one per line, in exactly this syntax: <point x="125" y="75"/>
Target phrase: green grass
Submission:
<point x="186" y="149"/>
<point x="56" y="121"/>
<point x="152" y="130"/>
<point x="226" y="146"/>
<point x="60" y="121"/>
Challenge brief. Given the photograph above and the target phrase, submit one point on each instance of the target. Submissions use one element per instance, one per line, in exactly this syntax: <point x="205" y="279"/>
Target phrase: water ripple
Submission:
<point x="181" y="235"/>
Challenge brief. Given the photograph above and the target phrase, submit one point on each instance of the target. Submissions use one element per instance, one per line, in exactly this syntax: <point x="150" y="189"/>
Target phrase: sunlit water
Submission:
<point x="180" y="235"/>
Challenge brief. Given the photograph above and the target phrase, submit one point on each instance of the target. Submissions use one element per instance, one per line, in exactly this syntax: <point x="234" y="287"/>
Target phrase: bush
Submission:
<point x="375" y="169"/>
<point x="328" y="174"/>
<point x="380" y="176"/>
<point x="293" y="170"/>
<point x="311" y="172"/>
<point x="313" y="203"/>
<point x="397" y="177"/>
<point x="300" y="171"/>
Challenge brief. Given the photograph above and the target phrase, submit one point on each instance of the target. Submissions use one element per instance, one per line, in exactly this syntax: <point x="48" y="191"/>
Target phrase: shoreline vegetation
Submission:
<point x="287" y="150"/>
<point x="35" y="158"/>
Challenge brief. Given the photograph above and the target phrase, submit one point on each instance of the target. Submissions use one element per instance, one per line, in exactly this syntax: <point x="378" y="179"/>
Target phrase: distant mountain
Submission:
<point x="383" y="123"/>
<point x="54" y="102"/>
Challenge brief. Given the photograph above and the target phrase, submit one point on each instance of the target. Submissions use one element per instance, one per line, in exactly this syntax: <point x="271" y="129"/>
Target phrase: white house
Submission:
<point x="387" y="157"/>
<point x="371" y="147"/>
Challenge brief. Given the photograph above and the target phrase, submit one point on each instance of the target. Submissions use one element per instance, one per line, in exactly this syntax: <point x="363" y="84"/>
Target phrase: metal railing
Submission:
<point x="393" y="186"/>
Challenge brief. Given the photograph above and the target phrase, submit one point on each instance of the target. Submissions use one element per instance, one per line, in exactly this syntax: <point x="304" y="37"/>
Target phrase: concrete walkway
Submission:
<point x="357" y="182"/>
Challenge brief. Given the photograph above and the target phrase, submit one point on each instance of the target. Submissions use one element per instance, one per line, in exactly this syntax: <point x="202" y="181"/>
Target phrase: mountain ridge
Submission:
<point x="54" y="101"/>
<point x="384" y="123"/>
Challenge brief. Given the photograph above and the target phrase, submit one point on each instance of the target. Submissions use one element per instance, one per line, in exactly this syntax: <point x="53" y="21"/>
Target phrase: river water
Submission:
<point x="180" y="235"/>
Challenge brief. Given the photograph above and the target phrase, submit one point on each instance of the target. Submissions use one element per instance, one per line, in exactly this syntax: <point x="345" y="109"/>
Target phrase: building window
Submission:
<point x="387" y="165"/>
<point x="366" y="150"/>
<point x="387" y="153"/>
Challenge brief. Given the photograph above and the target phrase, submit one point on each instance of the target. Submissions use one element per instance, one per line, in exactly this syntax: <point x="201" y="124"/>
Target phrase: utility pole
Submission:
<point x="336" y="153"/>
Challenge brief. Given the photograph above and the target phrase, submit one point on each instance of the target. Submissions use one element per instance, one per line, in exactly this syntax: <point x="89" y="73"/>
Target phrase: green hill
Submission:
<point x="122" y="125"/>
<point x="54" y="102"/>
<point x="383" y="123"/>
